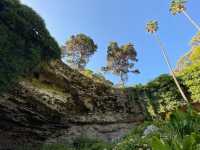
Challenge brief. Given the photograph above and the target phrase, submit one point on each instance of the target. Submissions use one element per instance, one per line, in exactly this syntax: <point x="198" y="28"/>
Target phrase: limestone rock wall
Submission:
<point x="58" y="104"/>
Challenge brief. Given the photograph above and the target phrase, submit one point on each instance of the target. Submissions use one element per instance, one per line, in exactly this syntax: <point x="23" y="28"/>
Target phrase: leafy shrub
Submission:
<point x="97" y="77"/>
<point x="88" y="73"/>
<point x="195" y="54"/>
<point x="184" y="123"/>
<point x="81" y="143"/>
<point x="24" y="41"/>
<point x="90" y="144"/>
<point x="56" y="147"/>
<point x="163" y="94"/>
<point x="188" y="142"/>
<point x="190" y="78"/>
<point x="180" y="132"/>
<point x="133" y="141"/>
<point x="27" y="147"/>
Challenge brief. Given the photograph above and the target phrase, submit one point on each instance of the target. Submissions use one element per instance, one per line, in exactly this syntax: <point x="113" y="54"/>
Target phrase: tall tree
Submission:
<point x="78" y="49"/>
<point x="121" y="60"/>
<point x="178" y="6"/>
<point x="152" y="27"/>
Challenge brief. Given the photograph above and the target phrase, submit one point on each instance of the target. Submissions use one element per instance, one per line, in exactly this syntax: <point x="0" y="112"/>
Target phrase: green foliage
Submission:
<point x="177" y="6"/>
<point x="195" y="55"/>
<point x="190" y="78"/>
<point x="97" y="77"/>
<point x="90" y="144"/>
<point x="158" y="144"/>
<point x="160" y="95"/>
<point x="121" y="60"/>
<point x="45" y="147"/>
<point x="81" y="143"/>
<point x="163" y="94"/>
<point x="56" y="147"/>
<point x="88" y="73"/>
<point x="188" y="142"/>
<point x="183" y="62"/>
<point x="184" y="123"/>
<point x="180" y="132"/>
<point x="78" y="49"/>
<point x="24" y="41"/>
<point x="152" y="26"/>
<point x="27" y="147"/>
<point x="133" y="141"/>
<point x="192" y="57"/>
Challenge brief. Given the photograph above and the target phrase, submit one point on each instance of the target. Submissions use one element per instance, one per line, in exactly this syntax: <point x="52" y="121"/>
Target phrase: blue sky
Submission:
<point x="122" y="21"/>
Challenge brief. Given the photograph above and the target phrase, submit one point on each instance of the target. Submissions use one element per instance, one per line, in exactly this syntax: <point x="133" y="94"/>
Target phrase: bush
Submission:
<point x="24" y="41"/>
<point x="184" y="123"/>
<point x="81" y="143"/>
<point x="90" y="144"/>
<point x="160" y="95"/>
<point x="190" y="78"/>
<point x="56" y="147"/>
<point x="188" y="142"/>
<point x="163" y="94"/>
<point x="180" y="132"/>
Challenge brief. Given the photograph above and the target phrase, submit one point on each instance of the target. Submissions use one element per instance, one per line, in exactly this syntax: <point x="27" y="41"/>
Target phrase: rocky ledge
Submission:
<point x="58" y="104"/>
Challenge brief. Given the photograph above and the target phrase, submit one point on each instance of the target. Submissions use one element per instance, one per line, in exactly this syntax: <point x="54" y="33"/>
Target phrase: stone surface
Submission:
<point x="150" y="129"/>
<point x="58" y="104"/>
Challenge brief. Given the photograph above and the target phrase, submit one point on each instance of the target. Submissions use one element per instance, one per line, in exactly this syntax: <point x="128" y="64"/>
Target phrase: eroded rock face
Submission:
<point x="58" y="104"/>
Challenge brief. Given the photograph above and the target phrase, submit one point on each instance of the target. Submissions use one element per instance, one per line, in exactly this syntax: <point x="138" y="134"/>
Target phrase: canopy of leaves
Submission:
<point x="78" y="50"/>
<point x="24" y="41"/>
<point x="121" y="60"/>
<point x="177" y="6"/>
<point x="152" y="26"/>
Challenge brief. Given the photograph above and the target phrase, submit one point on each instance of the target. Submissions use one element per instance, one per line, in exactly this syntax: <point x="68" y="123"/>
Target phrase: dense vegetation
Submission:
<point x="190" y="77"/>
<point x="82" y="143"/>
<point x="24" y="41"/>
<point x="162" y="94"/>
<point x="180" y="132"/>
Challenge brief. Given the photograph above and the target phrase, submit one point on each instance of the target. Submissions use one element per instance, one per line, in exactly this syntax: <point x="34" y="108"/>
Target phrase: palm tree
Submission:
<point x="152" y="27"/>
<point x="177" y="7"/>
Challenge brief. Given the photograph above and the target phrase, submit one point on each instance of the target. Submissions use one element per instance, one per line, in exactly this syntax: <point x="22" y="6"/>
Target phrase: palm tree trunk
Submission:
<point x="164" y="53"/>
<point x="191" y="20"/>
<point x="122" y="81"/>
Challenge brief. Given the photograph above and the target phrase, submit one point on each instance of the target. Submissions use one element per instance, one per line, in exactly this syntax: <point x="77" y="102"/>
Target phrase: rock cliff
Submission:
<point x="57" y="104"/>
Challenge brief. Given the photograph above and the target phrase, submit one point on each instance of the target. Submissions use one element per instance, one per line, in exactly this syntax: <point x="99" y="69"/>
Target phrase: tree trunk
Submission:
<point x="191" y="20"/>
<point x="164" y="53"/>
<point x="122" y="81"/>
